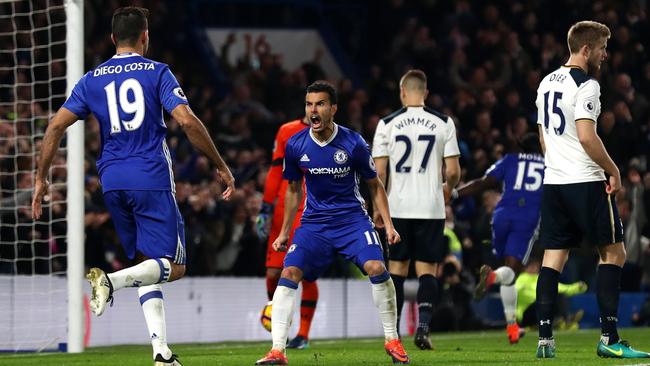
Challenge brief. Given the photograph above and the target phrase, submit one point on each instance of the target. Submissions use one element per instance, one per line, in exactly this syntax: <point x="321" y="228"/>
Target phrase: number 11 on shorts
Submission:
<point x="371" y="237"/>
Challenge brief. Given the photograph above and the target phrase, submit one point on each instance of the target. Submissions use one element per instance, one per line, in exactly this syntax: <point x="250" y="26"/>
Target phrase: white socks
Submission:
<point x="383" y="295"/>
<point x="149" y="272"/>
<point x="504" y="276"/>
<point x="151" y="299"/>
<point x="509" y="300"/>
<point x="284" y="302"/>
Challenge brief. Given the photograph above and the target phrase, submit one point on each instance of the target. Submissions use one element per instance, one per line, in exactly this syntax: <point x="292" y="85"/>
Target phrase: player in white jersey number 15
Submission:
<point x="578" y="199"/>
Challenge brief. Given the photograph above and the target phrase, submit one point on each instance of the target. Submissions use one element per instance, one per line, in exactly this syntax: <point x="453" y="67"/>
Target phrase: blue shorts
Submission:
<point x="149" y="222"/>
<point x="513" y="236"/>
<point x="315" y="246"/>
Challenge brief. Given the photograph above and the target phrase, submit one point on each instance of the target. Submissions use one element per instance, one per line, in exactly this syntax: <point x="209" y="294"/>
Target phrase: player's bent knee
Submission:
<point x="374" y="268"/>
<point x="178" y="271"/>
<point x="292" y="273"/>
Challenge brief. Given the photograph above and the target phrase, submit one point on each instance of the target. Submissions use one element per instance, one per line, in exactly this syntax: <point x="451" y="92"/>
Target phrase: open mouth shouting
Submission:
<point x="315" y="121"/>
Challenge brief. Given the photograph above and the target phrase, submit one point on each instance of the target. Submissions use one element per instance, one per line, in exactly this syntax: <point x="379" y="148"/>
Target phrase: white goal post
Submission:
<point x="41" y="261"/>
<point x="74" y="10"/>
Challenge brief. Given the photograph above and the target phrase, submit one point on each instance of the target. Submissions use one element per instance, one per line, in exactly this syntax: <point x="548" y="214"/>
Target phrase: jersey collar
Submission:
<point x="126" y="54"/>
<point x="324" y="143"/>
<point x="574" y="67"/>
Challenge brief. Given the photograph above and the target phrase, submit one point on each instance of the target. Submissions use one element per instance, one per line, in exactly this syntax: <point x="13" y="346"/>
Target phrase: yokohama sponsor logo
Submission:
<point x="337" y="170"/>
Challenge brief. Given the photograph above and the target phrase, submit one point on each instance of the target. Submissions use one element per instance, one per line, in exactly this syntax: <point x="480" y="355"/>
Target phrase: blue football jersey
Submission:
<point x="522" y="176"/>
<point x="332" y="170"/>
<point x="127" y="94"/>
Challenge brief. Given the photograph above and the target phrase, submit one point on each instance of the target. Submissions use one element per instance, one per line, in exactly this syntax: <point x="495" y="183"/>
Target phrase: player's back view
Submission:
<point x="514" y="222"/>
<point x="414" y="142"/>
<point x="127" y="94"/>
<point x="416" y="139"/>
<point x="578" y="200"/>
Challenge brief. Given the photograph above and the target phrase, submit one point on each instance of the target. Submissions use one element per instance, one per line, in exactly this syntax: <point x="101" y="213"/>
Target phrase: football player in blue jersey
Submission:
<point x="514" y="222"/>
<point x="127" y="94"/>
<point x="332" y="159"/>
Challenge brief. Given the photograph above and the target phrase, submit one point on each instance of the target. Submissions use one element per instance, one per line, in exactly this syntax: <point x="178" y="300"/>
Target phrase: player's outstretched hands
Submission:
<point x="614" y="184"/>
<point x="40" y="190"/>
<point x="225" y="176"/>
<point x="280" y="244"/>
<point x="392" y="236"/>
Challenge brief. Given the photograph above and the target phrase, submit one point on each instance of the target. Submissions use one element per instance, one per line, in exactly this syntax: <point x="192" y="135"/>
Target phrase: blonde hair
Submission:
<point x="414" y="80"/>
<point x="587" y="33"/>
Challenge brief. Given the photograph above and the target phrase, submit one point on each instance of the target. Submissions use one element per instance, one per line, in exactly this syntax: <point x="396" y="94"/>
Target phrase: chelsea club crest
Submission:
<point x="340" y="157"/>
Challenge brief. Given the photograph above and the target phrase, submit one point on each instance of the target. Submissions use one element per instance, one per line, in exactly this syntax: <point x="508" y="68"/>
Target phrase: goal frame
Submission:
<point x="74" y="10"/>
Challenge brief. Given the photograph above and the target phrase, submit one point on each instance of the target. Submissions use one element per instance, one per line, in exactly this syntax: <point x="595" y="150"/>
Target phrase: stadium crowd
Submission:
<point x="484" y="62"/>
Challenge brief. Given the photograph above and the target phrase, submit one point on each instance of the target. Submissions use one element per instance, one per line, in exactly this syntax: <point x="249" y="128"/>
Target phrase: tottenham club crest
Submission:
<point x="340" y="157"/>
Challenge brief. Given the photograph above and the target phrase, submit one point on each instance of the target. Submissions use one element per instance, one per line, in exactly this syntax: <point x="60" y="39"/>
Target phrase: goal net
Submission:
<point x="33" y="254"/>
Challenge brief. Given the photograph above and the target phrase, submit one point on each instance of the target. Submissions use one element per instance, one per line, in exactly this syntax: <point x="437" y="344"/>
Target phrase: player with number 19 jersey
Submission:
<point x="127" y="94"/>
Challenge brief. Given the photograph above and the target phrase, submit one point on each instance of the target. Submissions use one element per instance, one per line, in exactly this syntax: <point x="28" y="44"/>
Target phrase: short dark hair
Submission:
<point x="322" y="86"/>
<point x="529" y="143"/>
<point x="128" y="23"/>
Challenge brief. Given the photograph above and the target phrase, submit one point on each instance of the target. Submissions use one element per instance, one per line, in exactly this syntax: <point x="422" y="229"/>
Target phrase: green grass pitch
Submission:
<point x="484" y="348"/>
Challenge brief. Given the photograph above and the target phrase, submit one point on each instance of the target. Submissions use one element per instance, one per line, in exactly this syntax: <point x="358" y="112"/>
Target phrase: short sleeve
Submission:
<point x="588" y="101"/>
<point x="451" y="143"/>
<point x="362" y="160"/>
<point x="380" y="141"/>
<point x="290" y="169"/>
<point x="77" y="102"/>
<point x="540" y="109"/>
<point x="498" y="169"/>
<point x="170" y="92"/>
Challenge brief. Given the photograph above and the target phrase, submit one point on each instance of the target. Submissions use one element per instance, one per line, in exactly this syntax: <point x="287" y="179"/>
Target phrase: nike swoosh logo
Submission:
<point x="617" y="353"/>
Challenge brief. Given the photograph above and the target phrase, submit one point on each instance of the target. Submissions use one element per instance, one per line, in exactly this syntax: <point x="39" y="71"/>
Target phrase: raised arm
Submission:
<point x="199" y="137"/>
<point x="476" y="186"/>
<point x="53" y="135"/>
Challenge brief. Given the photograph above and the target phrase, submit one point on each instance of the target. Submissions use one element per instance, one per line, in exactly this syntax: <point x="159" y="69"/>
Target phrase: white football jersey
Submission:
<point x="415" y="140"/>
<point x="565" y="96"/>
